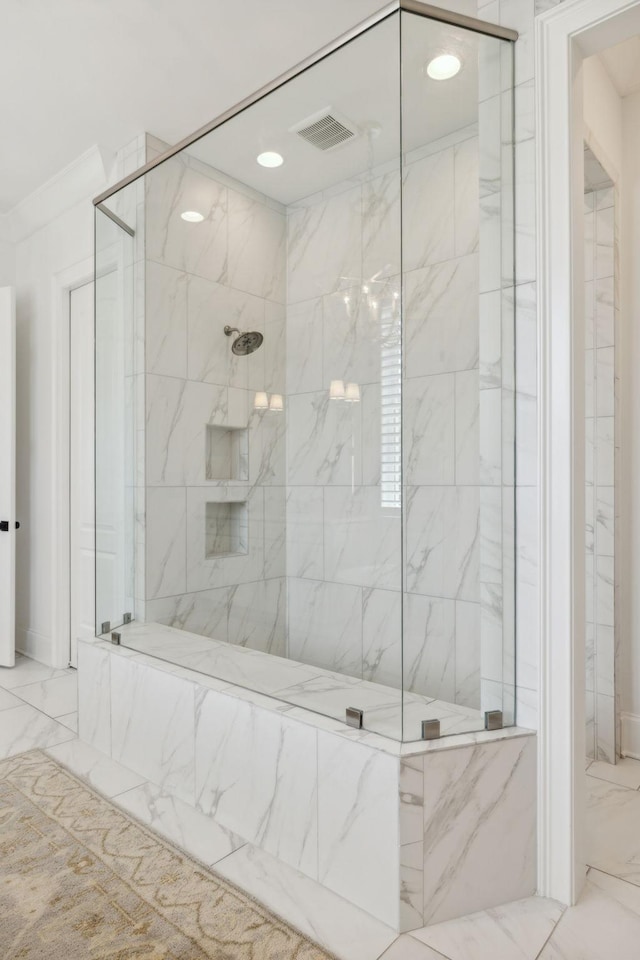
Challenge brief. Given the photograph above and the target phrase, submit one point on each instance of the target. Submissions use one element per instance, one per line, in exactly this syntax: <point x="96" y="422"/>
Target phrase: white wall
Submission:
<point x="50" y="232"/>
<point x="602" y="116"/>
<point x="629" y="685"/>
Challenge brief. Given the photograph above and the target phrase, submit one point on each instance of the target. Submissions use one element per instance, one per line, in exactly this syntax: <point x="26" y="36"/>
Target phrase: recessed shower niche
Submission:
<point x="226" y="528"/>
<point x="227" y="453"/>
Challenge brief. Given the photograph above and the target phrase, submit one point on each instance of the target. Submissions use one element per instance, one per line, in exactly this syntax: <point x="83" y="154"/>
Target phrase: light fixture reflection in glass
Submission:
<point x="192" y="216"/>
<point x="276" y="403"/>
<point x="444" y="67"/>
<point x="336" y="390"/>
<point x="261" y="401"/>
<point x="270" y="159"/>
<point x="352" y="393"/>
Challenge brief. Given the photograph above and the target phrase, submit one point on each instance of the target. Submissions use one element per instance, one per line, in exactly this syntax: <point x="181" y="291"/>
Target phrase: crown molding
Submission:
<point x="78" y="181"/>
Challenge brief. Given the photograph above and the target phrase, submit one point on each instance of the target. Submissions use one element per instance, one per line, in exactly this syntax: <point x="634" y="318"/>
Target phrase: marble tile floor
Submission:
<point x="313" y="688"/>
<point x="604" y="924"/>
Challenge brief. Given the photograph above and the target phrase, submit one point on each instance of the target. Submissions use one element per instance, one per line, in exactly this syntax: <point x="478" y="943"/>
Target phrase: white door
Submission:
<point x="81" y="469"/>
<point x="7" y="477"/>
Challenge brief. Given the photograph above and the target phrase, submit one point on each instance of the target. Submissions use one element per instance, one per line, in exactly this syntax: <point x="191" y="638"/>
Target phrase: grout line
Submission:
<point x="553" y="930"/>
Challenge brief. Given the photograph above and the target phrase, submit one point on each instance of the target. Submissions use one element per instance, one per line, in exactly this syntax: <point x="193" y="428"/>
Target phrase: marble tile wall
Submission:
<point x="227" y="269"/>
<point x="600" y="400"/>
<point x="520" y="15"/>
<point x="343" y="543"/>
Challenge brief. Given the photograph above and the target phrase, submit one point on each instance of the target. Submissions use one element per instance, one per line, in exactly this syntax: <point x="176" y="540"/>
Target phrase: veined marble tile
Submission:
<point x="154" y="734"/>
<point x="304" y="338"/>
<point x="204" y="612"/>
<point x="25" y="728"/>
<point x="275" y="531"/>
<point x="604" y="237"/>
<point x="525" y="208"/>
<point x="352" y="335"/>
<point x="325" y="625"/>
<point x="305" y="532"/>
<point x="27" y="671"/>
<point x="357" y="811"/>
<point x="256" y="774"/>
<point x="604" y="455"/>
<point x="323" y="440"/>
<point x="69" y="720"/>
<point x="481" y="851"/>
<point x="429" y="651"/>
<point x="381" y="636"/>
<point x="406" y="948"/>
<point x="257" y="616"/>
<point x="178" y="412"/>
<point x="605" y="728"/>
<point x="257" y="247"/>
<point x="466" y="197"/>
<point x="189" y="829"/>
<point x="605" y="590"/>
<point x="491" y="535"/>
<point x="411" y="884"/>
<point x="515" y="931"/>
<point x="103" y="773"/>
<point x="247" y="668"/>
<point x="94" y="696"/>
<point x="604" y="308"/>
<point x="468" y="654"/>
<point x="199" y="248"/>
<point x="443" y="542"/>
<point x="490" y="345"/>
<point x="490" y="437"/>
<point x="7" y="700"/>
<point x="625" y="772"/>
<point x="604" y="923"/>
<point x="211" y="306"/>
<point x="324" y="246"/>
<point x="165" y="541"/>
<point x="468" y="411"/>
<point x="428" y="197"/>
<point x="362" y="543"/>
<point x="381" y="225"/>
<point x="441" y="317"/>
<point x="347" y="931"/>
<point x="53" y="697"/>
<point x="605" y="389"/>
<point x="166" y="320"/>
<point x="430" y="418"/>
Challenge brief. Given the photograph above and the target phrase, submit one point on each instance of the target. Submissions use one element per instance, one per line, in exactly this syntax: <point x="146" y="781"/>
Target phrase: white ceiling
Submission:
<point x="361" y="83"/>
<point x="75" y="73"/>
<point x="622" y="63"/>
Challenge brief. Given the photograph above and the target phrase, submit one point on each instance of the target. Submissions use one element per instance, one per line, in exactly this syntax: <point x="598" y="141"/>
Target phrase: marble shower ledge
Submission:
<point x="312" y="695"/>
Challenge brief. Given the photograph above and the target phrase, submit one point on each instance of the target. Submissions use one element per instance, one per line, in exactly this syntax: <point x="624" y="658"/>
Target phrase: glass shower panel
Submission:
<point x="115" y="393"/>
<point x="458" y="377"/>
<point x="273" y="494"/>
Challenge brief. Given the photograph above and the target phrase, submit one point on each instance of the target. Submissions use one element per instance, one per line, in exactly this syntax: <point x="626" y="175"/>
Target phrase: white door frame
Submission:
<point x="564" y="35"/>
<point x="63" y="283"/>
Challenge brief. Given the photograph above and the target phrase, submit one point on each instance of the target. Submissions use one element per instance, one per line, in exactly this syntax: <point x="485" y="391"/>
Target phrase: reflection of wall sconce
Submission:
<point x="262" y="401"/>
<point x="352" y="393"/>
<point x="336" y="390"/>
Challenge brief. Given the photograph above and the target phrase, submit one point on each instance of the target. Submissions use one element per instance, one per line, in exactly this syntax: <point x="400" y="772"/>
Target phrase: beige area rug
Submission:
<point x="80" y="879"/>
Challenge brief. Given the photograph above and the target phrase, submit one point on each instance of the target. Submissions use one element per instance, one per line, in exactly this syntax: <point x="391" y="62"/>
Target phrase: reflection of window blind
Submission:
<point x="390" y="406"/>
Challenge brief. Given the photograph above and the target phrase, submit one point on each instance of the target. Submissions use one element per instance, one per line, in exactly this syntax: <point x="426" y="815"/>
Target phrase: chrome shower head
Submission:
<point x="245" y="343"/>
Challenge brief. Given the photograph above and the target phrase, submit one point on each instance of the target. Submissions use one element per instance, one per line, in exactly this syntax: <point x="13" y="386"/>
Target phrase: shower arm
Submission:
<point x="229" y="330"/>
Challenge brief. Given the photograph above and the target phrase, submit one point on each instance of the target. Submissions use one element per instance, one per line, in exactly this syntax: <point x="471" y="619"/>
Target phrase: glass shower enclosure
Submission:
<point x="305" y="422"/>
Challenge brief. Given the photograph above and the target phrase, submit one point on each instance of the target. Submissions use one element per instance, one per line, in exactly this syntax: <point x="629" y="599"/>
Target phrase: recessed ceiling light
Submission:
<point x="192" y="216"/>
<point x="443" y="67"/>
<point x="269" y="159"/>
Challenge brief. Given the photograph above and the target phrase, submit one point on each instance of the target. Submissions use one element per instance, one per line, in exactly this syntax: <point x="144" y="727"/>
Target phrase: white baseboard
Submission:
<point x="34" y="645"/>
<point x="630" y="735"/>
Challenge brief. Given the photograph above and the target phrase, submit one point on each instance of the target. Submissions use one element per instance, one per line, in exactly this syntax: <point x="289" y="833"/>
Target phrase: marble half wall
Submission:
<point x="410" y="839"/>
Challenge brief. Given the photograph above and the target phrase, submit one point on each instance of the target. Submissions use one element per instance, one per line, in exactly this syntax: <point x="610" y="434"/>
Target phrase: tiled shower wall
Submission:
<point x="600" y="396"/>
<point x="344" y="542"/>
<point x="228" y="269"/>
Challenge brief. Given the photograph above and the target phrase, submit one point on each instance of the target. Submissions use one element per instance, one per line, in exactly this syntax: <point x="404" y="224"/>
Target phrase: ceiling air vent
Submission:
<point x="325" y="130"/>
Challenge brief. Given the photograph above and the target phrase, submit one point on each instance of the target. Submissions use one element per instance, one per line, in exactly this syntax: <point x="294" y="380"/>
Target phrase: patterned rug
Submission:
<point x="80" y="879"/>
